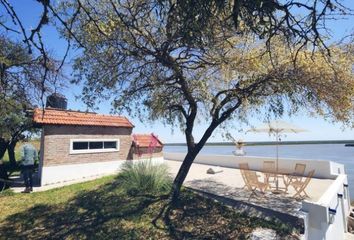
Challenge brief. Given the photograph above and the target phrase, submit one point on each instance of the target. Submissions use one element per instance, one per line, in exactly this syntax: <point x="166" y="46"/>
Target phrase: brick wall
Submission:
<point x="57" y="144"/>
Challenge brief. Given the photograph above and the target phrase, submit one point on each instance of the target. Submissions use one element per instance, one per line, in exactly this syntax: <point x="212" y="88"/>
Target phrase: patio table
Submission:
<point x="282" y="173"/>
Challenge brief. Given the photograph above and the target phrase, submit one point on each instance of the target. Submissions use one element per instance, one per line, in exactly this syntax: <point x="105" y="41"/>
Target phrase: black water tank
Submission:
<point x="57" y="100"/>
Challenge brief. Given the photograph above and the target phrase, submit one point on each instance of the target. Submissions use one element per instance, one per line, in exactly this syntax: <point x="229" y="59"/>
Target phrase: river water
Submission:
<point x="333" y="152"/>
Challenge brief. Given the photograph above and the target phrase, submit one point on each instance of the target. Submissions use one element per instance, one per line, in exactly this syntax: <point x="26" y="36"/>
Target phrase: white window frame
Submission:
<point x="72" y="151"/>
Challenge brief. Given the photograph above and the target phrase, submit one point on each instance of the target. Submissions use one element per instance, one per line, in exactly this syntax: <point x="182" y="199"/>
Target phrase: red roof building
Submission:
<point x="146" y="146"/>
<point x="77" y="144"/>
<point x="147" y="140"/>
<point x="51" y="116"/>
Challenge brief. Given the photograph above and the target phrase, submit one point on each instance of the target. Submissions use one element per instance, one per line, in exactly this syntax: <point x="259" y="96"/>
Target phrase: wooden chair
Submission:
<point x="297" y="175"/>
<point x="300" y="186"/>
<point x="269" y="171"/>
<point x="252" y="182"/>
<point x="243" y="166"/>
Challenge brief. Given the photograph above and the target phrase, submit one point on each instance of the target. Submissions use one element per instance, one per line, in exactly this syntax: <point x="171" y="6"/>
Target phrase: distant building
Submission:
<point x="81" y="144"/>
<point x="147" y="146"/>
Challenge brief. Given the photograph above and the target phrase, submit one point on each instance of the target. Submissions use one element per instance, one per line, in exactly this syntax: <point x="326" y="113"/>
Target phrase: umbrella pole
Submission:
<point x="277" y="169"/>
<point x="277" y="190"/>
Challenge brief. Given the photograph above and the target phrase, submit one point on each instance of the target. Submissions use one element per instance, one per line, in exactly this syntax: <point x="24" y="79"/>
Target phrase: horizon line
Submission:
<point x="272" y="142"/>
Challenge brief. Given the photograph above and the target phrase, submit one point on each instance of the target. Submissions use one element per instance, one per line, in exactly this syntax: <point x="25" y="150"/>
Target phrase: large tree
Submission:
<point x="24" y="81"/>
<point x="180" y="61"/>
<point x="19" y="84"/>
<point x="145" y="56"/>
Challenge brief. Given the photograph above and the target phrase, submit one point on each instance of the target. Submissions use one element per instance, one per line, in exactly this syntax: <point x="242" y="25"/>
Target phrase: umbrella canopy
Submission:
<point x="278" y="127"/>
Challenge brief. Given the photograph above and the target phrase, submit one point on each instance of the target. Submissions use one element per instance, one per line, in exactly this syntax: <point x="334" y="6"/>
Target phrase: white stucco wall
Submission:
<point x="64" y="173"/>
<point x="154" y="160"/>
<point x="323" y="169"/>
<point x="322" y="223"/>
<point x="70" y="172"/>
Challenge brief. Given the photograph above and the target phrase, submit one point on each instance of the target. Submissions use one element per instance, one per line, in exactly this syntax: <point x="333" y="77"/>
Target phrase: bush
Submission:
<point x="145" y="178"/>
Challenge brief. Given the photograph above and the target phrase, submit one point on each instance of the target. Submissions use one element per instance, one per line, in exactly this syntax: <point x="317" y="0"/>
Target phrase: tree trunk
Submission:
<point x="3" y="175"/>
<point x="181" y="176"/>
<point x="3" y="147"/>
<point x="187" y="162"/>
<point x="3" y="172"/>
<point x="11" y="153"/>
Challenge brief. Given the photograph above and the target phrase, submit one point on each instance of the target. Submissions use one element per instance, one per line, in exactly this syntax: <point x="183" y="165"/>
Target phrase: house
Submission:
<point x="80" y="144"/>
<point x="147" y="146"/>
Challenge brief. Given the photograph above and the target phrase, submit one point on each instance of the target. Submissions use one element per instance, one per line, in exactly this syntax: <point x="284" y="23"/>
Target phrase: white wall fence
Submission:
<point x="323" y="169"/>
<point x="326" y="218"/>
<point x="70" y="172"/>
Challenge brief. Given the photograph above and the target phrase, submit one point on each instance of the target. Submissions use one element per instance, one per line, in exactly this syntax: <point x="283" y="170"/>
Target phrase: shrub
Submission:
<point x="143" y="177"/>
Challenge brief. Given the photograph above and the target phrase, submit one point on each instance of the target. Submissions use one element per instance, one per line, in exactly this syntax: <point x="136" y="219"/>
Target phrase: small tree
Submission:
<point x="160" y="63"/>
<point x="13" y="124"/>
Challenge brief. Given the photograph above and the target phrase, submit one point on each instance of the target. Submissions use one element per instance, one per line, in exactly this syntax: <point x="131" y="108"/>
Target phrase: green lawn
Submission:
<point x="101" y="209"/>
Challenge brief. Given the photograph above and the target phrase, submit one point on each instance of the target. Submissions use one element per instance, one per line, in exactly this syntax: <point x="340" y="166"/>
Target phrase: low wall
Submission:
<point x="154" y="160"/>
<point x="64" y="173"/>
<point x="70" y="172"/>
<point x="327" y="218"/>
<point x="324" y="219"/>
<point x="323" y="169"/>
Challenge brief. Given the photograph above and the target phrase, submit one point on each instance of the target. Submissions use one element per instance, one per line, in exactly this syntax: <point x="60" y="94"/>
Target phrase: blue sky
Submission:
<point x="318" y="128"/>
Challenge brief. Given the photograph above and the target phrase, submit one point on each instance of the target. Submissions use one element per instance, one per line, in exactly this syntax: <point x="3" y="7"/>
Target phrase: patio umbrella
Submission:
<point x="277" y="127"/>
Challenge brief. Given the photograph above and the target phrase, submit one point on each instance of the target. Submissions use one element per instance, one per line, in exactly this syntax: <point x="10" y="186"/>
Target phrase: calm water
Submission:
<point x="334" y="152"/>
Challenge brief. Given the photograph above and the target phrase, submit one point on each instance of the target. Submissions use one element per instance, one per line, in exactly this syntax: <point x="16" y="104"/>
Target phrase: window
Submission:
<point x="110" y="144"/>
<point x="93" y="145"/>
<point x="80" y="145"/>
<point x="96" y="145"/>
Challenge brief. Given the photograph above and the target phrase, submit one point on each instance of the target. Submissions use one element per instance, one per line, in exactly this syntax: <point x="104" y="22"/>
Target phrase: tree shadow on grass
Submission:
<point x="197" y="217"/>
<point x="106" y="212"/>
<point x="109" y="213"/>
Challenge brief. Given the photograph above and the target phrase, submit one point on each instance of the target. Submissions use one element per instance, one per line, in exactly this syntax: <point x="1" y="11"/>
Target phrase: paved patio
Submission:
<point x="229" y="184"/>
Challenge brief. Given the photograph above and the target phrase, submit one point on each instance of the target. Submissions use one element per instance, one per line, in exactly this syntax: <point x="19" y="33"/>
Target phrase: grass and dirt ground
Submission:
<point x="102" y="209"/>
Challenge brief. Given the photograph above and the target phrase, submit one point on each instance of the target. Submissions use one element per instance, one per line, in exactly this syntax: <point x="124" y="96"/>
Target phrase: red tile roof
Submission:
<point x="146" y="140"/>
<point x="54" y="116"/>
